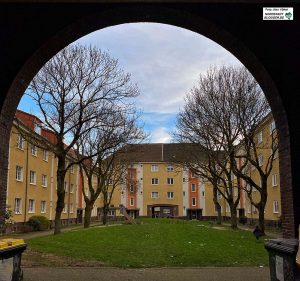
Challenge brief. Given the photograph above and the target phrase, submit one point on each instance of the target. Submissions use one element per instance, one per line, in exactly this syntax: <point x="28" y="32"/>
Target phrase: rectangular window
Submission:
<point x="43" y="207"/>
<point x="219" y="194"/>
<point x="131" y="201"/>
<point x="193" y="187"/>
<point x="183" y="193"/>
<point x="272" y="127"/>
<point x="275" y="207"/>
<point x="45" y="155"/>
<point x="44" y="181"/>
<point x="154" y="194"/>
<point x="183" y="179"/>
<point x="37" y="128"/>
<point x="274" y="180"/>
<point x="154" y="181"/>
<point x="71" y="187"/>
<point x="260" y="137"/>
<point x="71" y="208"/>
<point x="154" y="168"/>
<point x="260" y="160"/>
<point x="65" y="208"/>
<point x="170" y="168"/>
<point x="194" y="201"/>
<point x="203" y="193"/>
<point x="32" y="177"/>
<point x="72" y="169"/>
<point x="33" y="150"/>
<point x="66" y="186"/>
<point x="31" y="206"/>
<point x="170" y="195"/>
<point x="18" y="205"/>
<point x="19" y="173"/>
<point x="111" y="213"/>
<point x="170" y="180"/>
<point x="20" y="142"/>
<point x="131" y="187"/>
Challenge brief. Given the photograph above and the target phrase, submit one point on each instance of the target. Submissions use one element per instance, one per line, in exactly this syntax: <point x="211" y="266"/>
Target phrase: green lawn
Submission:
<point x="156" y="243"/>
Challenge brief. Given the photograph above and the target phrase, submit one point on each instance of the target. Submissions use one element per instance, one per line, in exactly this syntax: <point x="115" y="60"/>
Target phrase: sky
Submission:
<point x="165" y="61"/>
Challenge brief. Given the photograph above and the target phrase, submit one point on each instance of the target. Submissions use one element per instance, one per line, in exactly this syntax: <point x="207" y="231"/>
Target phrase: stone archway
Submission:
<point x="238" y="28"/>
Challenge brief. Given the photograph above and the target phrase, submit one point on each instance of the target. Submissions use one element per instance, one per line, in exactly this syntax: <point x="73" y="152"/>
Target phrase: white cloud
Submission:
<point x="160" y="135"/>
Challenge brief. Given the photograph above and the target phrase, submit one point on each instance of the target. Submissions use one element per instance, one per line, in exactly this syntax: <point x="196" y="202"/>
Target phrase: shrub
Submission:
<point x="39" y="223"/>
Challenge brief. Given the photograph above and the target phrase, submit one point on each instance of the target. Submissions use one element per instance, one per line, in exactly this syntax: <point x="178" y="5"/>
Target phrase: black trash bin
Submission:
<point x="282" y="259"/>
<point x="10" y="259"/>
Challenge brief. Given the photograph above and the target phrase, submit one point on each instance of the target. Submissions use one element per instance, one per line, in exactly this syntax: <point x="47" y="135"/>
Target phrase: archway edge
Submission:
<point x="168" y="14"/>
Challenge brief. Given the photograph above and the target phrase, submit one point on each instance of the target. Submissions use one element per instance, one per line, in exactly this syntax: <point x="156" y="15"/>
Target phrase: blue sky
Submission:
<point x="165" y="61"/>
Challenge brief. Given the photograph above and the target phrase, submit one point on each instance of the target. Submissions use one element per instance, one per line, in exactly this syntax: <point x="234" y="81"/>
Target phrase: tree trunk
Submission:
<point x="60" y="195"/>
<point x="105" y="211"/>
<point x="218" y="206"/>
<point x="87" y="214"/>
<point x="233" y="214"/>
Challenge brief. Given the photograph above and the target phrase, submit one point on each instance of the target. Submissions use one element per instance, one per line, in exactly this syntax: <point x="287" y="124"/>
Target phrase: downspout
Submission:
<point x="26" y="183"/>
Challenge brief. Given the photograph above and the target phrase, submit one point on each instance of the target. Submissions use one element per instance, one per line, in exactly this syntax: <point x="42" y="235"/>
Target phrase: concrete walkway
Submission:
<point x="148" y="274"/>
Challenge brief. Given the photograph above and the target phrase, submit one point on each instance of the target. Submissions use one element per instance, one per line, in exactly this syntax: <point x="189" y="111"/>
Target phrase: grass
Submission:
<point x="157" y="243"/>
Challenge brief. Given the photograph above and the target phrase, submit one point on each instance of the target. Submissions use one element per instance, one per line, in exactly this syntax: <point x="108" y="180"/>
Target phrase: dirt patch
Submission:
<point x="32" y="258"/>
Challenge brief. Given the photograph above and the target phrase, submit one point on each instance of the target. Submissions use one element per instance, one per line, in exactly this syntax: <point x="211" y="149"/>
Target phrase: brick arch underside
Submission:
<point x="86" y="20"/>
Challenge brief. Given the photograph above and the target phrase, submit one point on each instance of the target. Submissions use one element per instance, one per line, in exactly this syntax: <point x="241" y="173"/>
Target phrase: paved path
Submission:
<point x="148" y="274"/>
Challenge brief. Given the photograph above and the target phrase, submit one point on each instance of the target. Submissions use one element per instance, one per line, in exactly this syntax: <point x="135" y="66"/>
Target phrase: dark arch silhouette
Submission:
<point x="33" y="33"/>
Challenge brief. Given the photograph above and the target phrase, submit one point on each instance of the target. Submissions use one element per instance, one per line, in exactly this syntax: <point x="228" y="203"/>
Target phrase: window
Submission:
<point x="32" y="177"/>
<point x="71" y="187"/>
<point x="71" y="208"/>
<point x="20" y="142"/>
<point x="275" y="207"/>
<point x="193" y="175"/>
<point x="227" y="208"/>
<point x="66" y="186"/>
<point x="272" y="127"/>
<point x="219" y="194"/>
<point x="170" y="195"/>
<point x="31" y="206"/>
<point x="193" y="187"/>
<point x="33" y="150"/>
<point x="19" y="173"/>
<point x="274" y="180"/>
<point x="203" y="193"/>
<point x="194" y="201"/>
<point x="131" y="201"/>
<point x="18" y="206"/>
<point x="259" y="137"/>
<point x="170" y="180"/>
<point x="37" y="128"/>
<point x="45" y="155"/>
<point x="260" y="160"/>
<point x="170" y="168"/>
<point x="44" y="181"/>
<point x="111" y="213"/>
<point x="183" y="193"/>
<point x="183" y="179"/>
<point x="65" y="208"/>
<point x="43" y="207"/>
<point x="154" y="168"/>
<point x="72" y="169"/>
<point x="154" y="194"/>
<point x="154" y="181"/>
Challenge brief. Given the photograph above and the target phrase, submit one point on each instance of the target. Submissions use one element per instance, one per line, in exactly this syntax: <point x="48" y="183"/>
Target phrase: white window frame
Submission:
<point x="154" y="181"/>
<point x="154" y="168"/>
<point x="65" y="209"/>
<point x="170" y="168"/>
<point x="274" y="180"/>
<point x="19" y="173"/>
<point x="71" y="188"/>
<point x="275" y="207"/>
<point x="44" y="180"/>
<point x="131" y="187"/>
<point x="170" y="194"/>
<point x="43" y="207"/>
<point x="194" y="201"/>
<point x="170" y="181"/>
<point x="31" y="206"/>
<point x="18" y="206"/>
<point x="20" y="142"/>
<point x="193" y="187"/>
<point x="260" y="160"/>
<point x="45" y="155"/>
<point x="34" y="150"/>
<point x="260" y="137"/>
<point x="32" y="177"/>
<point x="111" y="213"/>
<point x="131" y="201"/>
<point x="154" y="192"/>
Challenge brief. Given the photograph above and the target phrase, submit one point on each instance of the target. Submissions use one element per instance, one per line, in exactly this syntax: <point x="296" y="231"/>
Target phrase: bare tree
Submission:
<point x="222" y="115"/>
<point x="70" y="91"/>
<point x="105" y="165"/>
